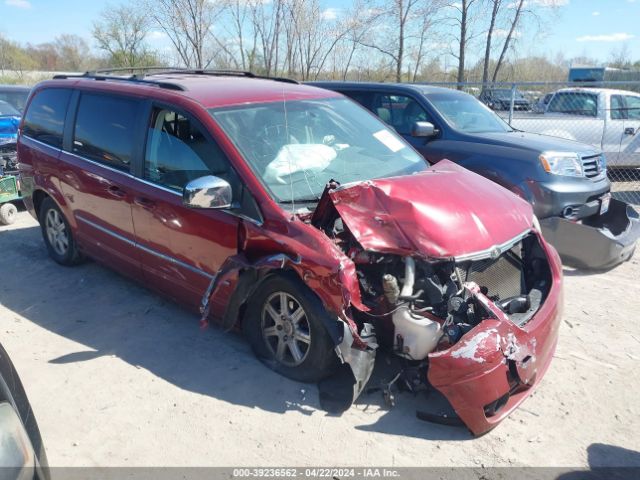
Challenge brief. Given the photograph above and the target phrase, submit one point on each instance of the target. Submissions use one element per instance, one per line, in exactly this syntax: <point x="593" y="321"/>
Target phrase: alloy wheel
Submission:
<point x="57" y="232"/>
<point x="285" y="329"/>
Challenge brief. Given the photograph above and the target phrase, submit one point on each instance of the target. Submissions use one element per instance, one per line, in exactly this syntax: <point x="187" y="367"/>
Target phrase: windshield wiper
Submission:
<point x="313" y="199"/>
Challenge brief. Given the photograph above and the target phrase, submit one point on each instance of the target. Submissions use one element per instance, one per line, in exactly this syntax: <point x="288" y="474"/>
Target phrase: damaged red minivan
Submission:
<point x="293" y="214"/>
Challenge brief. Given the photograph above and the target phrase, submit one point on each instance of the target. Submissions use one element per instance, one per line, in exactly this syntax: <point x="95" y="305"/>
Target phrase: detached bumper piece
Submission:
<point x="598" y="242"/>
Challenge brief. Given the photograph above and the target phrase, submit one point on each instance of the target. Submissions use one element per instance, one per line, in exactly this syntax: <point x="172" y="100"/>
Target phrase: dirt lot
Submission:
<point x="119" y="376"/>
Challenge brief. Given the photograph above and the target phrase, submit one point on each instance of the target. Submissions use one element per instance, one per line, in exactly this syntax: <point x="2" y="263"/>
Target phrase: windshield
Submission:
<point x="506" y="94"/>
<point x="16" y="99"/>
<point x="8" y="110"/>
<point x="467" y="114"/>
<point x="296" y="147"/>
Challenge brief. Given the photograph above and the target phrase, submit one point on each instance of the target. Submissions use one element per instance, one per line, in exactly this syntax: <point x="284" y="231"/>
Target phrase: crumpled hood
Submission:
<point x="445" y="211"/>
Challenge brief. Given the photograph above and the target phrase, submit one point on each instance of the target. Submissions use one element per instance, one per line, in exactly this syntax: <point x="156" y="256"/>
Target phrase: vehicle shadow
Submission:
<point x="607" y="462"/>
<point x="109" y="315"/>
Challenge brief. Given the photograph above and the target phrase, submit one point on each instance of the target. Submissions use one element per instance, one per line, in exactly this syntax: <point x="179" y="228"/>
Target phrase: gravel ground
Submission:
<point x="118" y="376"/>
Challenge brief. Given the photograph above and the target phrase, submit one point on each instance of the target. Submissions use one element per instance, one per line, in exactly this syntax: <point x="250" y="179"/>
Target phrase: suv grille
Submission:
<point x="591" y="166"/>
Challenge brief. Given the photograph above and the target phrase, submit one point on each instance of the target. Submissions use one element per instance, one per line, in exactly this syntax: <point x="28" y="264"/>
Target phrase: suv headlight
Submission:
<point x="562" y="163"/>
<point x="603" y="163"/>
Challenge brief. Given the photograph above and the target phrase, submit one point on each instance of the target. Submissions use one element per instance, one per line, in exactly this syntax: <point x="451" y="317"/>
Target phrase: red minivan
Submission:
<point x="291" y="213"/>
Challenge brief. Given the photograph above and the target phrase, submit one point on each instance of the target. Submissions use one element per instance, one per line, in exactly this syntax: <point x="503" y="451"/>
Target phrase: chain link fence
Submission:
<point x="603" y="114"/>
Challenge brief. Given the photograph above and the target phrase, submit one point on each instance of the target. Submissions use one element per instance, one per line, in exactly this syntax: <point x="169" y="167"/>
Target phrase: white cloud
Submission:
<point x="501" y="33"/>
<point x="331" y="13"/>
<point x="595" y="14"/>
<point x="540" y="3"/>
<point x="156" y="35"/>
<point x="612" y="37"/>
<point x="18" y="3"/>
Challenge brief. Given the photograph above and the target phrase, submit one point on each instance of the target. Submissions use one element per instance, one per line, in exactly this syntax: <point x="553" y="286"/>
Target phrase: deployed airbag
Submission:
<point x="294" y="158"/>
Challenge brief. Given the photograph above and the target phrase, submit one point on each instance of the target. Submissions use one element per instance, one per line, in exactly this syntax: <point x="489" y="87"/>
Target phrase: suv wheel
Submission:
<point x="284" y="325"/>
<point x="57" y="234"/>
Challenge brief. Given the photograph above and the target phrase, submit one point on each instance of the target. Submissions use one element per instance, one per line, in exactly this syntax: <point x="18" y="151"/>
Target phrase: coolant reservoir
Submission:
<point x="420" y="335"/>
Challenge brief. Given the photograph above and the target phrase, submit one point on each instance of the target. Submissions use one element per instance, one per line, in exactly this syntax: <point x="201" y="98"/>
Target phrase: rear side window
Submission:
<point x="577" y="103"/>
<point x="44" y="120"/>
<point x="617" y="107"/>
<point x="105" y="129"/>
<point x="633" y="107"/>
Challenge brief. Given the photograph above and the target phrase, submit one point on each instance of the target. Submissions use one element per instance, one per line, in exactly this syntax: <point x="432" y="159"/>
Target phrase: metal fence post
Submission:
<point x="513" y="99"/>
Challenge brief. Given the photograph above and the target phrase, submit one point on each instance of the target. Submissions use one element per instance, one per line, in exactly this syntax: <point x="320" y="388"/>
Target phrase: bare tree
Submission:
<point x="495" y="9"/>
<point x="311" y="37"/>
<point x="519" y="5"/>
<point x="267" y="23"/>
<point x="188" y="24"/>
<point x="462" y="21"/>
<point x="72" y="51"/>
<point x="356" y="24"/>
<point x="121" y="31"/>
<point x="401" y="23"/>
<point x="620" y="57"/>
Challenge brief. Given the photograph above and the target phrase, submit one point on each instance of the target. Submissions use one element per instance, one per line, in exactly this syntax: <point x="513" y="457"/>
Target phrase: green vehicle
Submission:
<point x="9" y="192"/>
<point x="9" y="184"/>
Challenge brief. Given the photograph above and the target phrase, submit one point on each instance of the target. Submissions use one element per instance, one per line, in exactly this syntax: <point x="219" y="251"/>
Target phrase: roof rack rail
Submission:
<point x="220" y="72"/>
<point x="131" y="78"/>
<point x="146" y="72"/>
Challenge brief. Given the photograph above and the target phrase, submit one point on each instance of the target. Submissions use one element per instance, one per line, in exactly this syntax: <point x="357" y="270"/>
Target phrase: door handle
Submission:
<point x="116" y="191"/>
<point x="629" y="131"/>
<point x="144" y="202"/>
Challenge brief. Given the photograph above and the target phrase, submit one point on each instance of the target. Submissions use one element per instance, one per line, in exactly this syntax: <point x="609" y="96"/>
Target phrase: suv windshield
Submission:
<point x="505" y="94"/>
<point x="467" y="114"/>
<point x="296" y="147"/>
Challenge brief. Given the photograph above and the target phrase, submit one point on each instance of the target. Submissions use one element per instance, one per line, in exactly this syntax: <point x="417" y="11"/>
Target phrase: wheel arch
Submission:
<point x="245" y="279"/>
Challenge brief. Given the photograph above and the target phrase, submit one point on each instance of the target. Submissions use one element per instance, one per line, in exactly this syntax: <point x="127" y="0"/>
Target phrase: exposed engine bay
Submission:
<point x="419" y="306"/>
<point x="8" y="157"/>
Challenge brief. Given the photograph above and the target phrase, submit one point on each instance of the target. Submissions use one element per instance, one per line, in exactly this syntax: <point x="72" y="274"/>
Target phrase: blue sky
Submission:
<point x="584" y="27"/>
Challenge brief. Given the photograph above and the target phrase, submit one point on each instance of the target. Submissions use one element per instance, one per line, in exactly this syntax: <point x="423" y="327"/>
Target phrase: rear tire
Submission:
<point x="285" y="327"/>
<point x="8" y="212"/>
<point x="57" y="235"/>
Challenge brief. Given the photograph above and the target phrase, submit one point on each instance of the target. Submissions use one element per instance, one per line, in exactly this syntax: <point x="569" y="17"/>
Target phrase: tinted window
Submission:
<point x="178" y="152"/>
<point x="104" y="129"/>
<point x="577" y="103"/>
<point x="633" y="107"/>
<point x="363" y="98"/>
<point x="44" y="119"/>
<point x="400" y="112"/>
<point x="617" y="107"/>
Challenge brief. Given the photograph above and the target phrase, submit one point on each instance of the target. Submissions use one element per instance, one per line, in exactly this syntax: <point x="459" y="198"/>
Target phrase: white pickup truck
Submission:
<point x="605" y="118"/>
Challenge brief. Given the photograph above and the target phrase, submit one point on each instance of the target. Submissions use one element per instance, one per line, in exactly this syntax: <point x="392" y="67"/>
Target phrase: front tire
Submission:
<point x="285" y="327"/>
<point x="57" y="235"/>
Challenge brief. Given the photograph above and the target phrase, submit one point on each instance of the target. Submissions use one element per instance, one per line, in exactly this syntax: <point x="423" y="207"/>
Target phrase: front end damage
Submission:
<point x="480" y="326"/>
<point x="423" y="266"/>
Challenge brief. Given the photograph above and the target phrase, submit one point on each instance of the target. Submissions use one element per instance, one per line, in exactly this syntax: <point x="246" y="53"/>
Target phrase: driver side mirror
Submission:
<point x="423" y="129"/>
<point x="207" y="192"/>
